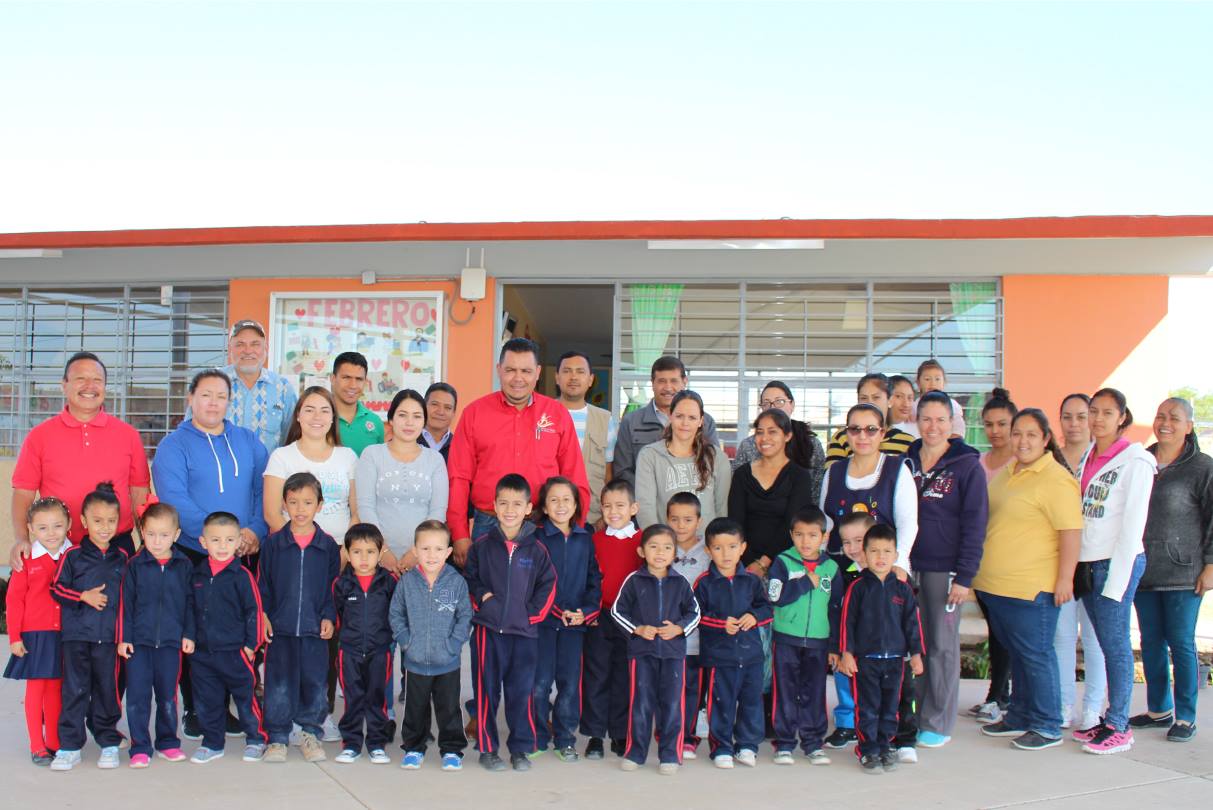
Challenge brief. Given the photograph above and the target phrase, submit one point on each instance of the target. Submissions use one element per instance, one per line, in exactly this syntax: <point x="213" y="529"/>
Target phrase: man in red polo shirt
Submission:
<point x="69" y="454"/>
<point x="513" y="430"/>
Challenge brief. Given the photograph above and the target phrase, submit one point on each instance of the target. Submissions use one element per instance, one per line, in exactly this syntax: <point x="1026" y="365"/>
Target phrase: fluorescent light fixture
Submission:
<point x="736" y="244"/>
<point x="31" y="253"/>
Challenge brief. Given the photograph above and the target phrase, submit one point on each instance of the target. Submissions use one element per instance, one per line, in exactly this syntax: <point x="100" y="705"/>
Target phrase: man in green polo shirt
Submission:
<point x="358" y="427"/>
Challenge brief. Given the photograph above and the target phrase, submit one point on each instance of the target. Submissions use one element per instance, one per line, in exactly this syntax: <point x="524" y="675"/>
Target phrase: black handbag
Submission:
<point x="1084" y="579"/>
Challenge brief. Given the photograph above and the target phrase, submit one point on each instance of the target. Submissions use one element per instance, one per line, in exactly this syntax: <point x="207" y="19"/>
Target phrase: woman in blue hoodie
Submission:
<point x="210" y="465"/>
<point x="953" y="507"/>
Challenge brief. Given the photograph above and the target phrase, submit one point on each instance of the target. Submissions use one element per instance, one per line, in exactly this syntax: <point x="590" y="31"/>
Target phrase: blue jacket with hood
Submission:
<point x="953" y="508"/>
<point x="199" y="474"/>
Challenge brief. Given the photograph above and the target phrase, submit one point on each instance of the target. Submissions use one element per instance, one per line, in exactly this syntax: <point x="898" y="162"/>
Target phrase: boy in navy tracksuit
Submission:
<point x="512" y="585"/>
<point x="227" y="617"/>
<point x="682" y="513"/>
<point x="362" y="596"/>
<point x="578" y="594"/>
<point x="156" y="628"/>
<point x="88" y="586"/>
<point x="298" y="566"/>
<point x="879" y="627"/>
<point x="851" y="528"/>
<point x="657" y="610"/>
<point x="734" y="602"/>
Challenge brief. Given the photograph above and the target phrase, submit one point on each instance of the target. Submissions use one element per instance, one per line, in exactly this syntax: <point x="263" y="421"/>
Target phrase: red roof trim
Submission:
<point x="1093" y="227"/>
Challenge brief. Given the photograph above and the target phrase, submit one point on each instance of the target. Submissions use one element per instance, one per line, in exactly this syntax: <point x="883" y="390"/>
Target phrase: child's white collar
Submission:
<point x="37" y="550"/>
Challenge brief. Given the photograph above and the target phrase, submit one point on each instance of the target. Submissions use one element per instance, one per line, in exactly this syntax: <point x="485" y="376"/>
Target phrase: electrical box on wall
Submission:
<point x="471" y="283"/>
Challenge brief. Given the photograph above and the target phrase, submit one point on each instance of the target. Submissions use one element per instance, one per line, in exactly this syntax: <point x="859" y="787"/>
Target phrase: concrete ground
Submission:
<point x="971" y="772"/>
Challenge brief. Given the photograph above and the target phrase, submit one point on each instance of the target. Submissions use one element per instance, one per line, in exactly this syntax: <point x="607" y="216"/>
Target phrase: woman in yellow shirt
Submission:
<point x="1027" y="573"/>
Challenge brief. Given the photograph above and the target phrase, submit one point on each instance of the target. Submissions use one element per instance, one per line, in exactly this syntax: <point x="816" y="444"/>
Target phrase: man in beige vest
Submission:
<point x="596" y="428"/>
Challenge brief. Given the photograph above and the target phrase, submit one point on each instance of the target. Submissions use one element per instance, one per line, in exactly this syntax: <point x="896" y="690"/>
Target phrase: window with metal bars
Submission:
<point x="151" y="340"/>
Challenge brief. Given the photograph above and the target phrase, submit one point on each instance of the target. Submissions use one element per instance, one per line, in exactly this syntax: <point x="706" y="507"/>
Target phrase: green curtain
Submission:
<point x="654" y="307"/>
<point x="974" y="309"/>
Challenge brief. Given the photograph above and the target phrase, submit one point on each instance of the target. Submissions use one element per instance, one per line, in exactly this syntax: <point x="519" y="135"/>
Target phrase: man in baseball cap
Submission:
<point x="262" y="400"/>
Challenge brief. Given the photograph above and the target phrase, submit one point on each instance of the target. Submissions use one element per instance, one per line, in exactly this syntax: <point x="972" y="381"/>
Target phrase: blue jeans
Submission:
<point x="844" y="712"/>
<point x="1026" y="627"/>
<point x="1110" y="619"/>
<point x="1167" y="620"/>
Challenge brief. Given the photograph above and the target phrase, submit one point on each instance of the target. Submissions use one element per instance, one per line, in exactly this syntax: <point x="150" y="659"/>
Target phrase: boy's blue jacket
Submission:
<point x="953" y="509"/>
<point x="199" y="473"/>
<point x="431" y="625"/>
<point x="880" y="618"/>
<point x="297" y="584"/>
<point x="578" y="580"/>
<point x="155" y="601"/>
<point x="523" y="584"/>
<point x="227" y="607"/>
<point x="719" y="598"/>
<point x="81" y="568"/>
<point x="363" y="615"/>
<point x="648" y="600"/>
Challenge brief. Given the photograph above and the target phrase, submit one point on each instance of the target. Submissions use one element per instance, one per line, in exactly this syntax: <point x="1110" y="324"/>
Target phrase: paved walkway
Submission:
<point x="971" y="772"/>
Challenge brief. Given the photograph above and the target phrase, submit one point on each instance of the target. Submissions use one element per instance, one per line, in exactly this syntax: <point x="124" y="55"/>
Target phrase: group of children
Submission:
<point x="653" y="625"/>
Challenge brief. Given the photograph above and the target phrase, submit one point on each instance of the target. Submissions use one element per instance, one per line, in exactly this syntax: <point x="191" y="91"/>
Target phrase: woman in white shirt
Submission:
<point x="313" y="445"/>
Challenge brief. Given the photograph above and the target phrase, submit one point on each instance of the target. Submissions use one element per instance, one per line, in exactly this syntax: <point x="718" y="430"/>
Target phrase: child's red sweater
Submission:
<point x="29" y="602"/>
<point x="617" y="558"/>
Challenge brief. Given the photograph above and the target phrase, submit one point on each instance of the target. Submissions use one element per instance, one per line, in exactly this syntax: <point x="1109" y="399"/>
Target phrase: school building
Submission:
<point x="1042" y="306"/>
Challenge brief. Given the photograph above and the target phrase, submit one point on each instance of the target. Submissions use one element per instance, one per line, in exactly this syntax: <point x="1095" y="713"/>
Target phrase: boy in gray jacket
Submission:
<point x="431" y="617"/>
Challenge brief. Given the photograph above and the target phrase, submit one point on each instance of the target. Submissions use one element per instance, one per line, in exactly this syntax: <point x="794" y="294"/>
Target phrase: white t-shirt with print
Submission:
<point x="336" y="475"/>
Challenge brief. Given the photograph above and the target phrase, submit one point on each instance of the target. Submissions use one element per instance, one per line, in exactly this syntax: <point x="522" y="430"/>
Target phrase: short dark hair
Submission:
<point x="561" y="481"/>
<point x="363" y="531"/>
<point x="432" y="526"/>
<point x="303" y="480"/>
<point x="442" y="386"/>
<point x="353" y="359"/>
<point x="210" y="374"/>
<point x="512" y="482"/>
<point x="851" y="518"/>
<point x="881" y="531"/>
<point x="519" y="345"/>
<point x="620" y="485"/>
<point x="220" y="519"/>
<point x="723" y="525"/>
<point x="656" y="530"/>
<point x="159" y="511"/>
<point x="668" y="362"/>
<point x="684" y="499"/>
<point x="575" y="353"/>
<point x="809" y="515"/>
<point x="78" y="356"/>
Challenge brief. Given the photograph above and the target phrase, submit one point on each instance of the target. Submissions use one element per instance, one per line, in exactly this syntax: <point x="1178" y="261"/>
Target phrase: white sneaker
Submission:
<point x="65" y="760"/>
<point x="380" y="757"/>
<point x="1066" y="711"/>
<point x="701" y="725"/>
<point x="784" y="758"/>
<point x="108" y="758"/>
<point x="908" y="756"/>
<point x="330" y="732"/>
<point x="747" y="757"/>
<point x="987" y="713"/>
<point x="347" y="756"/>
<point x="723" y="761"/>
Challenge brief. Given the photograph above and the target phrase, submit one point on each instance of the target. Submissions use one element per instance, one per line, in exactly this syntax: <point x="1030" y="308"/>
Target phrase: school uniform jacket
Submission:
<point x="578" y="580"/>
<point x="719" y="598"/>
<point x="297" y="584"/>
<point x="880" y="619"/>
<point x="226" y="607"/>
<point x="646" y="599"/>
<point x="363" y="615"/>
<point x="29" y="602"/>
<point x="155" y="597"/>
<point x="82" y="568"/>
<point x="522" y="582"/>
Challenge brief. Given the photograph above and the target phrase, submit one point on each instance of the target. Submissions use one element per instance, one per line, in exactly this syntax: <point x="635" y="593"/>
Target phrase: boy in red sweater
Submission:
<point x="604" y="708"/>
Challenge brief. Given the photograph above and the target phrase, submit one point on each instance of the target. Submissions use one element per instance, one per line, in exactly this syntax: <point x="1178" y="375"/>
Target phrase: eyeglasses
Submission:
<point x="856" y="430"/>
<point x="767" y="404"/>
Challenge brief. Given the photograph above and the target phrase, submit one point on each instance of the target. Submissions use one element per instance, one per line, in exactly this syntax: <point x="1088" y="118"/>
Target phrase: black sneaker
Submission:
<point x="491" y="762"/>
<point x="1031" y="741"/>
<point x="42" y="759"/>
<point x="594" y="749"/>
<point x="1002" y="729"/>
<point x="618" y="747"/>
<point x="1147" y="720"/>
<point x="870" y="764"/>
<point x="191" y="729"/>
<point x="233" y="727"/>
<point x="520" y="762"/>
<point x="841" y="738"/>
<point x="1181" y="732"/>
<point x="888" y="760"/>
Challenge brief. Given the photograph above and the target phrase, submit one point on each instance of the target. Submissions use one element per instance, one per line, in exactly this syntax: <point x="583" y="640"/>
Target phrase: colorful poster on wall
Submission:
<point x="400" y="334"/>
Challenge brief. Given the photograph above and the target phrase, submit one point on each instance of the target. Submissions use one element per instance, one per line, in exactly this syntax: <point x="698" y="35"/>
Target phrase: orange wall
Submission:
<point x="469" y="346"/>
<point x="1065" y="334"/>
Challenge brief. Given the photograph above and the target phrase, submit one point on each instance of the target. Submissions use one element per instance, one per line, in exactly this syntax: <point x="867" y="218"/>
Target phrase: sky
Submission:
<point x="177" y="114"/>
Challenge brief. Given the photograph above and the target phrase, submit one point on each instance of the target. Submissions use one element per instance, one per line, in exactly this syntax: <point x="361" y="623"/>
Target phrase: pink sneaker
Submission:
<point x="172" y="754"/>
<point x="1083" y="735"/>
<point x="1109" y="741"/>
<point x="140" y="760"/>
<point x="688" y="751"/>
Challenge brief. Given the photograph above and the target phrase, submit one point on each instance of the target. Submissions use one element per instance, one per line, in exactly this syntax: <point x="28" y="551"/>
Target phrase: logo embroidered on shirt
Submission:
<point x="544" y="425"/>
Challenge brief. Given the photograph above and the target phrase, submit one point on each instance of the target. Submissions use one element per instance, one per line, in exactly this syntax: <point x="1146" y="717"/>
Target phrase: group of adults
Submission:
<point x="1012" y="525"/>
